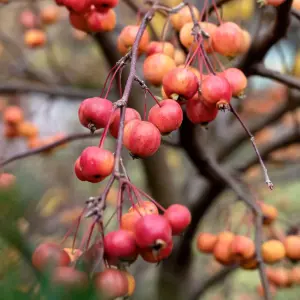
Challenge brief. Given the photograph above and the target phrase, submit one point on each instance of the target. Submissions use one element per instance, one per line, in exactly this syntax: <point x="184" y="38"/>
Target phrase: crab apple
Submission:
<point x="49" y="254"/>
<point x="112" y="283"/>
<point x="160" y="47"/>
<point x="13" y="115"/>
<point x="295" y="275"/>
<point x="222" y="250"/>
<point x="78" y="170"/>
<point x="261" y="290"/>
<point x="156" y="66"/>
<point x="60" y="2"/>
<point x="96" y="163"/>
<point x="28" y="19"/>
<point x="192" y="69"/>
<point x="7" y="180"/>
<point x="273" y="2"/>
<point x="49" y="15"/>
<point x="27" y="129"/>
<point x="149" y="207"/>
<point x="183" y="16"/>
<point x="141" y="138"/>
<point x="130" y="114"/>
<point x="187" y="39"/>
<point x="237" y="80"/>
<point x="120" y="246"/>
<point x="104" y="5"/>
<point x="78" y="21"/>
<point x="216" y="89"/>
<point x="179" y="57"/>
<point x="199" y="112"/>
<point x="167" y="116"/>
<point x="270" y="212"/>
<point x="180" y="82"/>
<point x="242" y="248"/>
<point x="79" y="6"/>
<point x="292" y="247"/>
<point x="127" y="38"/>
<point x="131" y="283"/>
<point x="280" y="277"/>
<point x="155" y="256"/>
<point x="94" y="113"/>
<point x="69" y="278"/>
<point x="179" y="218"/>
<point x="153" y="231"/>
<point x="228" y="39"/>
<point x="247" y="40"/>
<point x="34" y="38"/>
<point x="100" y="22"/>
<point x="272" y="251"/>
<point x="206" y="242"/>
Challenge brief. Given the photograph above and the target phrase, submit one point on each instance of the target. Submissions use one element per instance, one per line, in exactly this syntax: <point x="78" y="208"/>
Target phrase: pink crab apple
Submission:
<point x="141" y="138"/>
<point x="179" y="218"/>
<point x="180" y="82"/>
<point x="167" y="116"/>
<point x="79" y="6"/>
<point x="94" y="113"/>
<point x="130" y="114"/>
<point x="104" y="5"/>
<point x="237" y="80"/>
<point x="78" y="21"/>
<point x="96" y="163"/>
<point x="28" y="19"/>
<point x="160" y="47"/>
<point x="101" y="21"/>
<point x="60" y="2"/>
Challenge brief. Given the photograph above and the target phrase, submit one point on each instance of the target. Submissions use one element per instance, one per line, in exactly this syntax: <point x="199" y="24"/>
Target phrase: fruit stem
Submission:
<point x="122" y="186"/>
<point x="106" y="80"/>
<point x="104" y="134"/>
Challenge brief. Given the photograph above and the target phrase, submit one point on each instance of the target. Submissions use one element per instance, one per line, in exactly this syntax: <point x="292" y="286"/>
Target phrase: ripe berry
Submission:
<point x="13" y="115"/>
<point x="112" y="283"/>
<point x="183" y="16"/>
<point x="149" y="207"/>
<point x="49" y="255"/>
<point x="228" y="39"/>
<point x="104" y="5"/>
<point x="222" y="249"/>
<point x="270" y="212"/>
<point x="49" y="14"/>
<point x="77" y="6"/>
<point x="96" y="163"/>
<point x="28" y="19"/>
<point x="272" y="251"/>
<point x="101" y="22"/>
<point x="7" y="180"/>
<point x="27" y="129"/>
<point x="206" y="242"/>
<point x="34" y="38"/>
<point x="179" y="218"/>
<point x="242" y="248"/>
<point x="167" y="116"/>
<point x="237" y="80"/>
<point x="78" y="21"/>
<point x="280" y="277"/>
<point x="160" y="47"/>
<point x="156" y="66"/>
<point x="199" y="112"/>
<point x="141" y="138"/>
<point x="130" y="114"/>
<point x="292" y="247"/>
<point x="153" y="231"/>
<point x="94" y="113"/>
<point x="78" y="170"/>
<point x="155" y="256"/>
<point x="179" y="57"/>
<point x="180" y="82"/>
<point x="216" y="89"/>
<point x="127" y="38"/>
<point x="120" y="246"/>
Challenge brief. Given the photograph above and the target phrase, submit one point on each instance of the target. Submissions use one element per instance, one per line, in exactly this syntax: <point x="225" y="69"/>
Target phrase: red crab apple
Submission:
<point x="78" y="21"/>
<point x="49" y="255"/>
<point x="78" y="170"/>
<point x="160" y="47"/>
<point x="141" y="138"/>
<point x="167" y="116"/>
<point x="199" y="112"/>
<point x="156" y="66"/>
<point x="237" y="80"/>
<point x="100" y="22"/>
<point x="79" y="6"/>
<point x="155" y="256"/>
<point x="179" y="218"/>
<point x="60" y="2"/>
<point x="130" y="114"/>
<point x="94" y="113"/>
<point x="104" y="5"/>
<point x="96" y="163"/>
<point x="180" y="82"/>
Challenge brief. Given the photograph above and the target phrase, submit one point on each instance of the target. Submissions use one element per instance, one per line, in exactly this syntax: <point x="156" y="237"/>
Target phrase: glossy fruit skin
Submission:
<point x="179" y="218"/>
<point x="228" y="39"/>
<point x="78" y="170"/>
<point x="153" y="230"/>
<point x="236" y="79"/>
<point x="101" y="22"/>
<point x="119" y="246"/>
<point x="160" y="47"/>
<point x="199" y="112"/>
<point x="183" y="16"/>
<point x="292" y="247"/>
<point x="149" y="207"/>
<point x="95" y="111"/>
<point x="96" y="163"/>
<point x="179" y="57"/>
<point x="167" y="117"/>
<point x="154" y="256"/>
<point x="182" y="82"/>
<point x="112" y="283"/>
<point x="216" y="88"/>
<point x="49" y="255"/>
<point x="81" y="6"/>
<point x="141" y="138"/>
<point x="222" y="251"/>
<point x="127" y="37"/>
<point x="13" y="115"/>
<point x="272" y="251"/>
<point x="78" y="21"/>
<point x="242" y="248"/>
<point x="130" y="114"/>
<point x="156" y="66"/>
<point x="104" y="5"/>
<point x="206" y="242"/>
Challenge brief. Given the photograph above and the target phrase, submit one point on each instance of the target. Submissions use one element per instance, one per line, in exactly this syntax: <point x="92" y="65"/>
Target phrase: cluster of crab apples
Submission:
<point x="143" y="232"/>
<point x="91" y="15"/>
